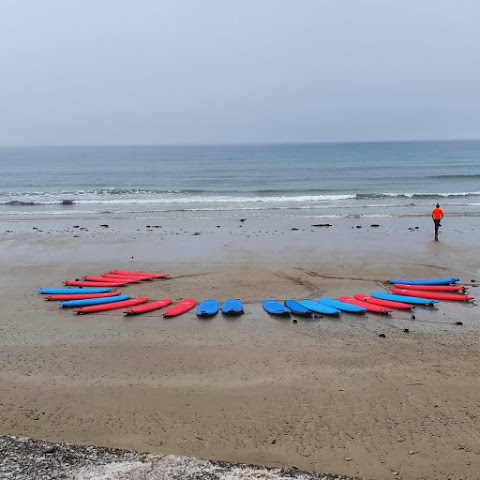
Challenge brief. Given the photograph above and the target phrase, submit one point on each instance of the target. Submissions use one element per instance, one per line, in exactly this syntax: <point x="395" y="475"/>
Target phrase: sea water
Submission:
<point x="372" y="179"/>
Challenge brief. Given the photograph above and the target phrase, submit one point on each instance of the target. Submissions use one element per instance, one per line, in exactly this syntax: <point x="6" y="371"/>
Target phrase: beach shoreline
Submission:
<point x="319" y="395"/>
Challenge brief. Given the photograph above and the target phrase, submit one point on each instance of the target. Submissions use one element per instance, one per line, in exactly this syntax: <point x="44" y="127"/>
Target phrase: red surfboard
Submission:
<point x="179" y="308"/>
<point x="80" y="296"/>
<point x="433" y="288"/>
<point x="431" y="295"/>
<point x="89" y="278"/>
<point x="113" y="277"/>
<point x="368" y="306"/>
<point x="110" y="306"/>
<point x="148" y="307"/>
<point x="152" y="275"/>
<point x="384" y="303"/>
<point x="86" y="283"/>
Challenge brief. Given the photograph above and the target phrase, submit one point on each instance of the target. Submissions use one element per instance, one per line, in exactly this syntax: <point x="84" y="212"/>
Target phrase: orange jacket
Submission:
<point x="437" y="213"/>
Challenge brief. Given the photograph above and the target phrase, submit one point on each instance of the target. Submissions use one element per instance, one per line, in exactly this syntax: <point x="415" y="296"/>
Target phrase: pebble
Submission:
<point x="411" y="452"/>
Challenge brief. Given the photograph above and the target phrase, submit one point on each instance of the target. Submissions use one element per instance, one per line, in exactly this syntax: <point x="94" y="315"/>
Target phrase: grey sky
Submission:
<point x="219" y="71"/>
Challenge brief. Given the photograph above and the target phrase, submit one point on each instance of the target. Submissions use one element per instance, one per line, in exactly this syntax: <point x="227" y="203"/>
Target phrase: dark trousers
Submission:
<point x="437" y="224"/>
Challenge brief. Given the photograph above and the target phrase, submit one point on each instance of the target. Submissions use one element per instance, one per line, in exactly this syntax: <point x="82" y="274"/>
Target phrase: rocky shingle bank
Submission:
<point x="24" y="458"/>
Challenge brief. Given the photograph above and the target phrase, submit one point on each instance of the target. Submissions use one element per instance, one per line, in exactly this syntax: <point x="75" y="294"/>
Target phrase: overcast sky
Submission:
<point x="90" y="72"/>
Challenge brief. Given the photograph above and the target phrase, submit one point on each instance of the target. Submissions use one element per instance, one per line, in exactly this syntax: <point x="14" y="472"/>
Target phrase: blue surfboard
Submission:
<point x="274" y="307"/>
<point x="342" y="306"/>
<point x="319" y="308"/>
<point x="403" y="298"/>
<point x="427" y="281"/>
<point x="207" y="308"/>
<point x="297" y="309"/>
<point x="73" y="291"/>
<point x="92" y="301"/>
<point x="232" y="307"/>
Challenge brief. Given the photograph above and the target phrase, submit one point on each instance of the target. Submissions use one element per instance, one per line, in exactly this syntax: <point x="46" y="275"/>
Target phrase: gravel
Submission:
<point x="25" y="458"/>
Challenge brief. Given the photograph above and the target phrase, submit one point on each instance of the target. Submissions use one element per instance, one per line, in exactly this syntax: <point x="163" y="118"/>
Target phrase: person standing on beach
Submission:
<point x="437" y="215"/>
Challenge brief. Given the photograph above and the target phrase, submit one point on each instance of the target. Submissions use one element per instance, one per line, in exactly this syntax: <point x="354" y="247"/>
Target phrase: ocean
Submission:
<point x="372" y="179"/>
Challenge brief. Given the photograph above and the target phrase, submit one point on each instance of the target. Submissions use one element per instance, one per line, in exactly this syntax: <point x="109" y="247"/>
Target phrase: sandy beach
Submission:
<point x="325" y="395"/>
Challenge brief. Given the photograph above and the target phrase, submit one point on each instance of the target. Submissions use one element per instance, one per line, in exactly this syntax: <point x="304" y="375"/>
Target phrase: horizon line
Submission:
<point x="233" y="144"/>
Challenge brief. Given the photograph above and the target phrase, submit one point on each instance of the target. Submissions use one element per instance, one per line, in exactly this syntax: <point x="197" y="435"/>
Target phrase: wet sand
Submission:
<point x="326" y="395"/>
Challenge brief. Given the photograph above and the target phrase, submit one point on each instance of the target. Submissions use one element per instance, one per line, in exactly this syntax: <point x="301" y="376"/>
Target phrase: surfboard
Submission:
<point x="453" y="297"/>
<point x="232" y="307"/>
<point x="319" y="308"/>
<point x="370" y="307"/>
<point x="80" y="296"/>
<point x="128" y="273"/>
<point x="342" y="306"/>
<point x="90" y="278"/>
<point x="384" y="303"/>
<point x="148" y="307"/>
<point x="86" y="283"/>
<point x="112" y="277"/>
<point x="297" y="309"/>
<point x="207" y="308"/>
<point x="71" y="291"/>
<point x="110" y="306"/>
<point x="404" y="299"/>
<point x="274" y="307"/>
<point x="181" y="307"/>
<point x="427" y="281"/>
<point x="433" y="288"/>
<point x="92" y="301"/>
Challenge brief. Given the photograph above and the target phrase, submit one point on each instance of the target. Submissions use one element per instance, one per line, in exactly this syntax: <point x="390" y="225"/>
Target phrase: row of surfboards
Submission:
<point x="90" y="299"/>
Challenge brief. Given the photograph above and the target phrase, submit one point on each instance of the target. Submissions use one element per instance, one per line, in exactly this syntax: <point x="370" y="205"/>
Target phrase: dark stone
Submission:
<point x="274" y="442"/>
<point x="412" y="317"/>
<point x="104" y="225"/>
<point x="381" y="335"/>
<point x="49" y="450"/>
<point x="458" y="323"/>
<point x="293" y="228"/>
<point x="322" y="225"/>
<point x="374" y="225"/>
<point x="76" y="226"/>
<point x="294" y="320"/>
<point x="242" y="219"/>
<point x="406" y="330"/>
<point x="359" y="226"/>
